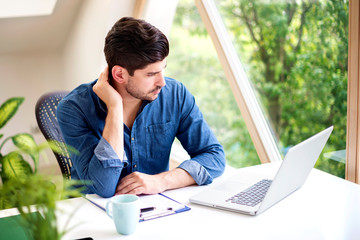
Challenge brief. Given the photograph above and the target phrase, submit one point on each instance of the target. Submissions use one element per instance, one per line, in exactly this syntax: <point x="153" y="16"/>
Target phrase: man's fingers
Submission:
<point x="132" y="188"/>
<point x="125" y="182"/>
<point x="104" y="74"/>
<point x="137" y="191"/>
<point x="133" y="183"/>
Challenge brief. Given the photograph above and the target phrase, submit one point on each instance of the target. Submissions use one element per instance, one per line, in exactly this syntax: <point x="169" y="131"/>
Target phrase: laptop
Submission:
<point x="252" y="194"/>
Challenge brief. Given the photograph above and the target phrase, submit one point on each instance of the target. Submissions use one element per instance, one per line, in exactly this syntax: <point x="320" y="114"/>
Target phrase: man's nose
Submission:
<point x="161" y="80"/>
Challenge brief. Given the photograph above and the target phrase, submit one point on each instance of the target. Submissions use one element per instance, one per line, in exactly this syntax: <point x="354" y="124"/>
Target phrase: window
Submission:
<point x="26" y="8"/>
<point x="194" y="62"/>
<point x="295" y="56"/>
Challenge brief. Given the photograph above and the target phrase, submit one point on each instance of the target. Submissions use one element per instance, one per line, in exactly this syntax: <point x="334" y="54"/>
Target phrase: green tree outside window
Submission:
<point x="295" y="54"/>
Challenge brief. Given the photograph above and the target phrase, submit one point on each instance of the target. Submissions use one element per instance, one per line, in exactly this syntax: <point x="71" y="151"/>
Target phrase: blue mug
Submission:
<point x="125" y="211"/>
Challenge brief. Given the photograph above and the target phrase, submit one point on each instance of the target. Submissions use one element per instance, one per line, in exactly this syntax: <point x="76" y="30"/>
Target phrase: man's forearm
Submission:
<point x="141" y="183"/>
<point x="176" y="178"/>
<point x="114" y="131"/>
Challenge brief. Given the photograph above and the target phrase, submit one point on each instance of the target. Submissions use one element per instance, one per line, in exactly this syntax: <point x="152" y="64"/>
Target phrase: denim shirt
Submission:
<point x="147" y="145"/>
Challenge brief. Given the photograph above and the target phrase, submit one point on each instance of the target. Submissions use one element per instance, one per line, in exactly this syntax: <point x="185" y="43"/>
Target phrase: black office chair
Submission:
<point x="45" y="112"/>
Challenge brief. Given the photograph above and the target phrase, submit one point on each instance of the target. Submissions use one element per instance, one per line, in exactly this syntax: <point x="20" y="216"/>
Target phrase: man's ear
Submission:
<point x="118" y="73"/>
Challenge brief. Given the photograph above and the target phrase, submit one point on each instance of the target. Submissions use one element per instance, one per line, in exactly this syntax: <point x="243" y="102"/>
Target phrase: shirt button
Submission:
<point x="135" y="166"/>
<point x="132" y="139"/>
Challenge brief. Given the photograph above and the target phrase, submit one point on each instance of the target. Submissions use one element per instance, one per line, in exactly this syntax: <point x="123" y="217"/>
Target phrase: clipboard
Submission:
<point x="164" y="205"/>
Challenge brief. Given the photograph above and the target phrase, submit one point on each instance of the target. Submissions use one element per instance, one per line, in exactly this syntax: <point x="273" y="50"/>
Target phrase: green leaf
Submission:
<point x="62" y="148"/>
<point x="14" y="166"/>
<point x="27" y="144"/>
<point x="8" y="109"/>
<point x="24" y="141"/>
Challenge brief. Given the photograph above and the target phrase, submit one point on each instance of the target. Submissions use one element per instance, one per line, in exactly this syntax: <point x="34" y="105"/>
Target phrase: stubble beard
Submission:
<point x="136" y="93"/>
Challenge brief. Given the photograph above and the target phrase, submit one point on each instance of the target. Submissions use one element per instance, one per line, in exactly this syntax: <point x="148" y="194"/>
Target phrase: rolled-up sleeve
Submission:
<point x="207" y="154"/>
<point x="97" y="164"/>
<point x="107" y="155"/>
<point x="197" y="172"/>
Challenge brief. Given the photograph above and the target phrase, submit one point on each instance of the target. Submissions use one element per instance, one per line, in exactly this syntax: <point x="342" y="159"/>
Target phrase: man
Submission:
<point x="124" y="123"/>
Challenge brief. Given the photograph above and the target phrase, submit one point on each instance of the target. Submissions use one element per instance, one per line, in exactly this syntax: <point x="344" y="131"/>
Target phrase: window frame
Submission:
<point x="352" y="170"/>
<point x="139" y="7"/>
<point x="248" y="104"/>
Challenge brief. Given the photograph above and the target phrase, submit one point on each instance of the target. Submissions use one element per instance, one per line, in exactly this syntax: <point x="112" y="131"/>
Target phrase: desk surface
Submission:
<point x="332" y="213"/>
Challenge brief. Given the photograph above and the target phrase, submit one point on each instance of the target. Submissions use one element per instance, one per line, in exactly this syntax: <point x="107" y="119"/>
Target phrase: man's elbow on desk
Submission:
<point x="103" y="191"/>
<point x="200" y="174"/>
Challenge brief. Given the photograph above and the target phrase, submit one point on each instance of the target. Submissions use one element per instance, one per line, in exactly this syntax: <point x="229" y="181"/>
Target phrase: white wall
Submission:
<point x="83" y="55"/>
<point x="160" y="13"/>
<point x="28" y="75"/>
<point x="32" y="73"/>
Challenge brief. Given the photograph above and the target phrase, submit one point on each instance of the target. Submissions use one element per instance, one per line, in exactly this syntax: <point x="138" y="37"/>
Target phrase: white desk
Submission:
<point x="332" y="213"/>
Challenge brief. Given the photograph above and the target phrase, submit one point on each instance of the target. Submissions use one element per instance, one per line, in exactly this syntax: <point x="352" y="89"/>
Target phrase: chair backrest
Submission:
<point x="45" y="111"/>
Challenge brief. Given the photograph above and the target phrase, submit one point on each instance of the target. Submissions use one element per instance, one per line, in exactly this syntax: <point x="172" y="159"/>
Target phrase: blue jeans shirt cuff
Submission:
<point x="197" y="172"/>
<point x="107" y="155"/>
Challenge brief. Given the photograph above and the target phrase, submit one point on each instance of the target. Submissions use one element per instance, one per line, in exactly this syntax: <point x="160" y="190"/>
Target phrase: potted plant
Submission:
<point x="23" y="187"/>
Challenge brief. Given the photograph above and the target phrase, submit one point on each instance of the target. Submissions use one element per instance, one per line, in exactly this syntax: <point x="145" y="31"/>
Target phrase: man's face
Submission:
<point x="146" y="83"/>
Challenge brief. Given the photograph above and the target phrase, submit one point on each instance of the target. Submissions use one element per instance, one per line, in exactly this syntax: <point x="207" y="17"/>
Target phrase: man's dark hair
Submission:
<point x="133" y="44"/>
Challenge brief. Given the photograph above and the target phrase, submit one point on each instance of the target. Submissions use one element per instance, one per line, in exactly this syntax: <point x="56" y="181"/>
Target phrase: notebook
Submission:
<point x="236" y="192"/>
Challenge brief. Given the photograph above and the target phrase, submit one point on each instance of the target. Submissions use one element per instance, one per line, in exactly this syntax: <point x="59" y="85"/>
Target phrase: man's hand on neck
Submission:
<point x="114" y="129"/>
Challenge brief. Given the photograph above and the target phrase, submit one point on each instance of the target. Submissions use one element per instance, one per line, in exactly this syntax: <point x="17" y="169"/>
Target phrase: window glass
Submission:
<point x="194" y="62"/>
<point x="295" y="54"/>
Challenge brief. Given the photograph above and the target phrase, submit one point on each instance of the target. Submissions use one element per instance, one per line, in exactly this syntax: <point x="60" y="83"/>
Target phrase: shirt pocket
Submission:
<point x="159" y="139"/>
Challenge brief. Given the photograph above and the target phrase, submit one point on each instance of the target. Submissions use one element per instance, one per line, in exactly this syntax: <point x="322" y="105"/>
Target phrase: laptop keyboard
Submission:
<point x="252" y="195"/>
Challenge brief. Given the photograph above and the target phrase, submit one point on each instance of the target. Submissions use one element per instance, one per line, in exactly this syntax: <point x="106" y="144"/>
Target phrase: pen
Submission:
<point x="148" y="209"/>
<point x="168" y="211"/>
